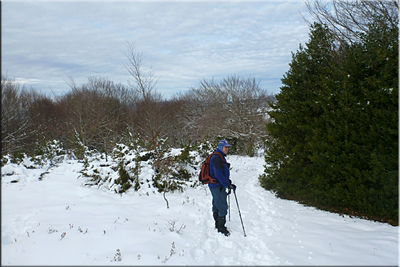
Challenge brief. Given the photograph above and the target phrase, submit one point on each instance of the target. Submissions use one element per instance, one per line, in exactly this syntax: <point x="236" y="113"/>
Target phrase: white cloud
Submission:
<point x="29" y="81"/>
<point x="183" y="42"/>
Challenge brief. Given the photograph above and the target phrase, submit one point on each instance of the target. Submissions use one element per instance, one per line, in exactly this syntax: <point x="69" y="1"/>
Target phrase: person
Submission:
<point x="219" y="170"/>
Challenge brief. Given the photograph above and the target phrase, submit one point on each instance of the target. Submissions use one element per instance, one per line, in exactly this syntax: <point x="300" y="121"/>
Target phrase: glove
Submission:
<point x="232" y="186"/>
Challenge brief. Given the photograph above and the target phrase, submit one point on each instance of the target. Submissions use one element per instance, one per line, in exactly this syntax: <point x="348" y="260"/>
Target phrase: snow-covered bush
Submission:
<point x="49" y="152"/>
<point x="133" y="167"/>
<point x="80" y="150"/>
<point x="204" y="149"/>
<point x="18" y="157"/>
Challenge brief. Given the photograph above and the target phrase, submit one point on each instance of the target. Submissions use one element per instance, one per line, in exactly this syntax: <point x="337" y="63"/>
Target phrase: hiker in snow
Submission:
<point x="219" y="169"/>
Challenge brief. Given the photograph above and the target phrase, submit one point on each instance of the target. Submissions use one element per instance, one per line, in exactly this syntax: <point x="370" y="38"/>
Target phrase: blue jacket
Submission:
<point x="219" y="172"/>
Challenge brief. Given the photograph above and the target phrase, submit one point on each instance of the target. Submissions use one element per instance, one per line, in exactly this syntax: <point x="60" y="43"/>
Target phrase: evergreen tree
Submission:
<point x="334" y="133"/>
<point x="293" y="116"/>
<point x="356" y="150"/>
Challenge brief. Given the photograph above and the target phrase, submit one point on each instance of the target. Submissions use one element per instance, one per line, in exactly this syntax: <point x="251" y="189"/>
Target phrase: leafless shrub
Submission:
<point x="233" y="108"/>
<point x="152" y="117"/>
<point x="97" y="110"/>
<point x="15" y="118"/>
<point x="142" y="82"/>
<point x="348" y="19"/>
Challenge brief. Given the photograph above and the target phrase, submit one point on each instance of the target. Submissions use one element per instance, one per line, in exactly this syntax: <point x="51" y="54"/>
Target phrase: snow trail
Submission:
<point x="104" y="228"/>
<point x="210" y="247"/>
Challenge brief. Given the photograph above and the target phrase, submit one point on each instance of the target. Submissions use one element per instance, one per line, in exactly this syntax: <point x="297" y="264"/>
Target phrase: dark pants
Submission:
<point x="219" y="203"/>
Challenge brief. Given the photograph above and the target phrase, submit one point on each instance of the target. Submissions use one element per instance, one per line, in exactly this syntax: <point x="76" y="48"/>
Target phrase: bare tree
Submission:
<point x="46" y="118"/>
<point x="150" y="117"/>
<point x="111" y="90"/>
<point x="178" y="133"/>
<point x="143" y="82"/>
<point x="234" y="108"/>
<point x="245" y="107"/>
<point x="97" y="111"/>
<point x="203" y="113"/>
<point x="15" y="118"/>
<point x="348" y="19"/>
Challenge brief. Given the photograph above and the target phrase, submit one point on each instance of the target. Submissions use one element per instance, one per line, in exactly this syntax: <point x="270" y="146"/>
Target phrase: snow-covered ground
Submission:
<point x="58" y="221"/>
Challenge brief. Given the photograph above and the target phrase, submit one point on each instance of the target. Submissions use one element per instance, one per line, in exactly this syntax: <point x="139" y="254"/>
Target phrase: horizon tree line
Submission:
<point x="102" y="113"/>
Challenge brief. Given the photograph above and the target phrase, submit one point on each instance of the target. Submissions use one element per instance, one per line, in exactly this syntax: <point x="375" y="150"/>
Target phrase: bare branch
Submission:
<point x="143" y="83"/>
<point x="349" y="19"/>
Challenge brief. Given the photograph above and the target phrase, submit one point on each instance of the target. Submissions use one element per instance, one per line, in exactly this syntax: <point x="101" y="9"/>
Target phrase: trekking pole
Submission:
<point x="229" y="206"/>
<point x="234" y="191"/>
<point x="229" y="203"/>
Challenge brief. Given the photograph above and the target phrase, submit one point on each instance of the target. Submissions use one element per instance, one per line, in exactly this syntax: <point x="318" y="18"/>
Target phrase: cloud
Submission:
<point x="183" y="42"/>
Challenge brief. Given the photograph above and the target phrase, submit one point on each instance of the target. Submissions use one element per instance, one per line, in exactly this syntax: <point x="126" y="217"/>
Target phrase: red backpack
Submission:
<point x="204" y="175"/>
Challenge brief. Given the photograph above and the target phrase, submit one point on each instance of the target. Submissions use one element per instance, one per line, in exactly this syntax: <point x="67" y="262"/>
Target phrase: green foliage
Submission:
<point x="79" y="148"/>
<point x="334" y="135"/>
<point x="86" y="164"/>
<point x="185" y="154"/>
<point x="18" y="157"/>
<point x="206" y="148"/>
<point x="147" y="156"/>
<point x="171" y="172"/>
<point x="184" y="157"/>
<point x="242" y="145"/>
<point x="124" y="178"/>
<point x="48" y="151"/>
<point x="119" y="152"/>
<point x="167" y="185"/>
<point x="163" y="179"/>
<point x="95" y="177"/>
<point x="181" y="174"/>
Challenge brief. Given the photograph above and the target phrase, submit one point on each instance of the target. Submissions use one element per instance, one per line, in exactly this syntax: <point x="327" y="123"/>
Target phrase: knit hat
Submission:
<point x="222" y="143"/>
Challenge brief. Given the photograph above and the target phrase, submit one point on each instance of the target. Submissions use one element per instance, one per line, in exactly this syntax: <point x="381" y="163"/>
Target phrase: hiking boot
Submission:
<point x="215" y="215"/>
<point x="221" y="225"/>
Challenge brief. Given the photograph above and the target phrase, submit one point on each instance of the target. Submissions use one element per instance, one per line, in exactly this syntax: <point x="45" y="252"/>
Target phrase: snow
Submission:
<point x="58" y="221"/>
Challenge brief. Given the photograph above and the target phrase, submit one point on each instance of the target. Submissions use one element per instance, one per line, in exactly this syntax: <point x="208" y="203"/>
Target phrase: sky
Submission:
<point x="44" y="43"/>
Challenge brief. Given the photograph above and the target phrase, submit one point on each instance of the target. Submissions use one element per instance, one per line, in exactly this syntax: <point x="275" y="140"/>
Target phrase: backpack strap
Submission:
<point x="220" y="155"/>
